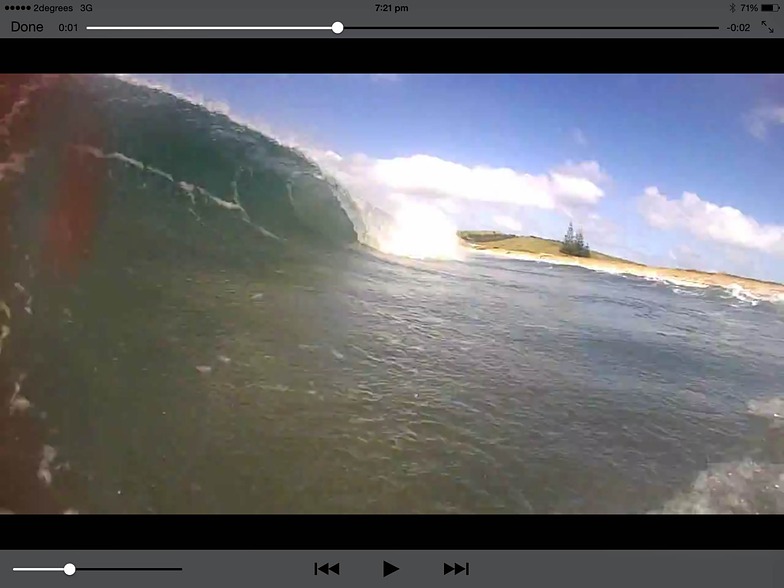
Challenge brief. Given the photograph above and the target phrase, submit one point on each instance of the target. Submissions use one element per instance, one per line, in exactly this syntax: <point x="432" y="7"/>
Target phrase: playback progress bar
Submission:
<point x="338" y="27"/>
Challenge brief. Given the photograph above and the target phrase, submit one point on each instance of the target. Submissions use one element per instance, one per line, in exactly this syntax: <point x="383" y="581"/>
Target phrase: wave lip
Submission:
<point x="382" y="220"/>
<point x="231" y="163"/>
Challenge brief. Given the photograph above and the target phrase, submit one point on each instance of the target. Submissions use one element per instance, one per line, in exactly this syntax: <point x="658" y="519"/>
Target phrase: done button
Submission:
<point x="20" y="27"/>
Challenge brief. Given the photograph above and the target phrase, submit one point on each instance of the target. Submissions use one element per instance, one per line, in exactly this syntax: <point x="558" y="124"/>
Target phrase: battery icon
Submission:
<point x="770" y="8"/>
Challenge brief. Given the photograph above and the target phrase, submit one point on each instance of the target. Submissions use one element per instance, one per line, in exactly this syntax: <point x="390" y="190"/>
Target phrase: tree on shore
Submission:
<point x="574" y="243"/>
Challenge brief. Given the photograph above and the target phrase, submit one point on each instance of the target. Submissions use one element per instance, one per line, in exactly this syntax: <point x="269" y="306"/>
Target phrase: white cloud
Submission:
<point x="587" y="170"/>
<point x="760" y="120"/>
<point x="508" y="222"/>
<point x="710" y="222"/>
<point x="578" y="136"/>
<point x="454" y="190"/>
<point x="385" y="77"/>
<point x="429" y="176"/>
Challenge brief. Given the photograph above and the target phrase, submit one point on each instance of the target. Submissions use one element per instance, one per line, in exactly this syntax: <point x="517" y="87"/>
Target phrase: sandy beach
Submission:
<point x="682" y="277"/>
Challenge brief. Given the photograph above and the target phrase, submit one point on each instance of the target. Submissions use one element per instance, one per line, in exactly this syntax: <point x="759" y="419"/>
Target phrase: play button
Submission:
<point x="389" y="568"/>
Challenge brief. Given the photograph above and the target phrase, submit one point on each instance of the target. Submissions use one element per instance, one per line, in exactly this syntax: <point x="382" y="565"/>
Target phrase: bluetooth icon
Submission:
<point x="732" y="7"/>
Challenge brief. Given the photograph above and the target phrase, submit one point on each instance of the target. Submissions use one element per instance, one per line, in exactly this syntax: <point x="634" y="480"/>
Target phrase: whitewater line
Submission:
<point x="184" y="186"/>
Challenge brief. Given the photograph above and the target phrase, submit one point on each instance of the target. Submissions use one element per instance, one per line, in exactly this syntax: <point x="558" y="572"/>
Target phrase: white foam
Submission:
<point x="48" y="456"/>
<point x="266" y="232"/>
<point x="15" y="164"/>
<point x="654" y="276"/>
<point x="742" y="487"/>
<point x="739" y="293"/>
<point x="5" y="331"/>
<point x="770" y="408"/>
<point x="156" y="171"/>
<point x="225" y="204"/>
<point x="17" y="402"/>
<point x="129" y="160"/>
<point x="746" y="486"/>
<point x="684" y="292"/>
<point x="25" y="93"/>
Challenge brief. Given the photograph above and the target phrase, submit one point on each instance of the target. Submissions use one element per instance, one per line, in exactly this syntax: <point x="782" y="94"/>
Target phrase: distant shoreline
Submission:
<point x="546" y="250"/>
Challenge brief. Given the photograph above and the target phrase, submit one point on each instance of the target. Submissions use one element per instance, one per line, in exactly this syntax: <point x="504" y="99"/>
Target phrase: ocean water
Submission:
<point x="198" y="325"/>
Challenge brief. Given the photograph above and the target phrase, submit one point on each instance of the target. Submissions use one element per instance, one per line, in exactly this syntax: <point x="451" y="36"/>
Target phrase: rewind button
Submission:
<point x="326" y="569"/>
<point x="455" y="569"/>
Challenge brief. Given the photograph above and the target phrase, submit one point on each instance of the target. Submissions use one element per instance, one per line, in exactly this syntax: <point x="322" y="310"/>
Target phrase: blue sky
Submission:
<point x="615" y="153"/>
